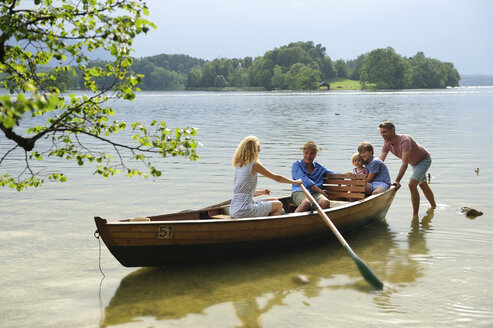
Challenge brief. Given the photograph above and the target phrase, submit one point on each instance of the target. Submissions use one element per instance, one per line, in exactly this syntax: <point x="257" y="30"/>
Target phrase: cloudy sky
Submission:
<point x="457" y="31"/>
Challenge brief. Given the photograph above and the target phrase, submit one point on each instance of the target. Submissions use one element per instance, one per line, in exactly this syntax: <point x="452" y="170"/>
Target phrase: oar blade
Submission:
<point x="365" y="270"/>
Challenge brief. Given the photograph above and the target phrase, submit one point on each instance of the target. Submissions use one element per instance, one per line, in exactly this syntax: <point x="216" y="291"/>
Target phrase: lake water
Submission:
<point x="438" y="269"/>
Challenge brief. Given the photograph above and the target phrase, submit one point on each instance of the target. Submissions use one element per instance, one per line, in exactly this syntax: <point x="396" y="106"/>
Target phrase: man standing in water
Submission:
<point x="410" y="152"/>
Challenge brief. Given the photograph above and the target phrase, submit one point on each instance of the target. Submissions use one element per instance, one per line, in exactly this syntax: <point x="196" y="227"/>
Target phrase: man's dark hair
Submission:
<point x="387" y="124"/>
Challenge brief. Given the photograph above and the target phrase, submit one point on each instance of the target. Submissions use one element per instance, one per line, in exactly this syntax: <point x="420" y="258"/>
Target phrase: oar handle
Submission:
<point x="325" y="217"/>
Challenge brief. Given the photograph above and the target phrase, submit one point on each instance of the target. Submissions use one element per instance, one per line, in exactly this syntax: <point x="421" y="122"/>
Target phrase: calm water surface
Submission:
<point x="438" y="269"/>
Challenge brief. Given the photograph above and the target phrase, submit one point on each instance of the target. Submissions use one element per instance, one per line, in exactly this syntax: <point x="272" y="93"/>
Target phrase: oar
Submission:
<point x="366" y="272"/>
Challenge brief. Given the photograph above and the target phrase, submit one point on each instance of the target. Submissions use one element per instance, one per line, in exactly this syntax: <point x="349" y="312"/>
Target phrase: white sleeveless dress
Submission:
<point x="242" y="204"/>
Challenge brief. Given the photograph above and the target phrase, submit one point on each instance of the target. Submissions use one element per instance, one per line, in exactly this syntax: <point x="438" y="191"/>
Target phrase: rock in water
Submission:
<point x="469" y="211"/>
<point x="302" y="279"/>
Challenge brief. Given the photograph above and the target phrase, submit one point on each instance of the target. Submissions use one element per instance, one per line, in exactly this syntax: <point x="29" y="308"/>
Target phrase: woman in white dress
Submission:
<point x="247" y="165"/>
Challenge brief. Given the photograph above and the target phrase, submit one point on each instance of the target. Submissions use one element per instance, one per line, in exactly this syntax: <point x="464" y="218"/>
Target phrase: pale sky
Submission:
<point x="457" y="31"/>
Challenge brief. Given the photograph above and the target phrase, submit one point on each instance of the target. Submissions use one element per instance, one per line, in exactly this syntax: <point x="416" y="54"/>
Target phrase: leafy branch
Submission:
<point x="62" y="32"/>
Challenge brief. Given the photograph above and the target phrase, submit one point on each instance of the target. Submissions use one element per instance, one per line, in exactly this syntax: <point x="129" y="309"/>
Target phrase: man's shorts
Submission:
<point x="298" y="196"/>
<point x="420" y="169"/>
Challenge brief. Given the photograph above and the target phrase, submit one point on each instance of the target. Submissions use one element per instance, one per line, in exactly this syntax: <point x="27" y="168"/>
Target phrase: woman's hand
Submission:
<point x="298" y="182"/>
<point x="261" y="192"/>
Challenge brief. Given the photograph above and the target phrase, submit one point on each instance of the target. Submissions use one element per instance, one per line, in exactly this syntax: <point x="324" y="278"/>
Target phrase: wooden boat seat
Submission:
<point x="345" y="187"/>
<point x="341" y="189"/>
<point x="221" y="216"/>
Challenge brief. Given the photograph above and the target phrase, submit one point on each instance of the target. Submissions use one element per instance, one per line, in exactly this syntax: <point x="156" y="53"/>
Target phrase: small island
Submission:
<point x="296" y="66"/>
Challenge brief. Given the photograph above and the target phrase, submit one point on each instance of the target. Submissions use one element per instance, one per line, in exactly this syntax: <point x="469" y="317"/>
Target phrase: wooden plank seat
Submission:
<point x="345" y="186"/>
<point x="219" y="213"/>
<point x="221" y="216"/>
<point x="341" y="189"/>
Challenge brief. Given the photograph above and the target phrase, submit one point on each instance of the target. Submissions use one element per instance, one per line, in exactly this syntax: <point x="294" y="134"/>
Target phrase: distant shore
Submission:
<point x="469" y="80"/>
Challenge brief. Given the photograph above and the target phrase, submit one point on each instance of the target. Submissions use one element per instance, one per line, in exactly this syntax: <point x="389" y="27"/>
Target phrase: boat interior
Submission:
<point x="341" y="189"/>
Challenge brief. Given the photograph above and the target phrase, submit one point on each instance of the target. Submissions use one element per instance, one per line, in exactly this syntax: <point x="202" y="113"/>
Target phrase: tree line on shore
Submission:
<point x="296" y="66"/>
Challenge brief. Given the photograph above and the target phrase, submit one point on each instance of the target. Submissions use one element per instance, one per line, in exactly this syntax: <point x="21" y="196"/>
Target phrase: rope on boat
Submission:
<point x="96" y="235"/>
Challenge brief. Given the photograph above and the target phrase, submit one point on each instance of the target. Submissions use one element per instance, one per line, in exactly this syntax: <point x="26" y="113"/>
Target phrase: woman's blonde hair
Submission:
<point x="246" y="152"/>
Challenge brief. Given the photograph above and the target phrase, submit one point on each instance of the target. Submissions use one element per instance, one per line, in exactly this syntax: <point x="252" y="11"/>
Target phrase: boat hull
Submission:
<point x="175" y="239"/>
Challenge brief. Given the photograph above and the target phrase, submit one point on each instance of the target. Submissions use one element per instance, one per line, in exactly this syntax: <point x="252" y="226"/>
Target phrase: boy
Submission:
<point x="378" y="179"/>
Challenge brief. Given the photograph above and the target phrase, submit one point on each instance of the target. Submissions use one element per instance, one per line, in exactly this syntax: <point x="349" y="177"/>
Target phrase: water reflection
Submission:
<point x="406" y="265"/>
<point x="177" y="291"/>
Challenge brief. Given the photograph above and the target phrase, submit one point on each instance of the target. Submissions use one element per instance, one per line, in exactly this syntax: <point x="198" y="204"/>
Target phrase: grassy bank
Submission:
<point x="343" y="84"/>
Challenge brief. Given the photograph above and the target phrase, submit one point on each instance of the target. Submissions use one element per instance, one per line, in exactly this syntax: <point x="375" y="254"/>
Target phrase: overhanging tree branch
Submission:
<point x="32" y="38"/>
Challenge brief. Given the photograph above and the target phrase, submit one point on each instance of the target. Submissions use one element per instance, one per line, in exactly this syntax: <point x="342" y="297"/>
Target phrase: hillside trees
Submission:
<point x="431" y="73"/>
<point x="354" y="67"/>
<point x="385" y="68"/>
<point x="165" y="72"/>
<point x="389" y="70"/>
<point x="299" y="65"/>
<point x="39" y="122"/>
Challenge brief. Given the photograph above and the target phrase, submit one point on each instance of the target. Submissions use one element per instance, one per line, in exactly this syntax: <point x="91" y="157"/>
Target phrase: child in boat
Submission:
<point x="359" y="167"/>
<point x="378" y="179"/>
<point x="247" y="165"/>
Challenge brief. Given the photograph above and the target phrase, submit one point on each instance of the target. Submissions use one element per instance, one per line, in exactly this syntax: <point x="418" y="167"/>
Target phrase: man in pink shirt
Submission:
<point x="410" y="152"/>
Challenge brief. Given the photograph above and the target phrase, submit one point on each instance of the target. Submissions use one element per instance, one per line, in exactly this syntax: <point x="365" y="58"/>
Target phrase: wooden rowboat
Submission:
<point x="210" y="233"/>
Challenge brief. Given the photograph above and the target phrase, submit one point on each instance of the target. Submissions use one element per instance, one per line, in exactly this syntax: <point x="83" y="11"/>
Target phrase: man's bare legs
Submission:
<point x="428" y="194"/>
<point x="413" y="188"/>
<point x="305" y="204"/>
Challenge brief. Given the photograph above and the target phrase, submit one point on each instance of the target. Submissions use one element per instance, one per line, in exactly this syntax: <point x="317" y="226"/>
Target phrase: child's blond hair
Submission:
<point x="355" y="157"/>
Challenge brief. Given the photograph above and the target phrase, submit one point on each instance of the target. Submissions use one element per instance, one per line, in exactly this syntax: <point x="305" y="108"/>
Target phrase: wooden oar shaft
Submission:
<point x="325" y="217"/>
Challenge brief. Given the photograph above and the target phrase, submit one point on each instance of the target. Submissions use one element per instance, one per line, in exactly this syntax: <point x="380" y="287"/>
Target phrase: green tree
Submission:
<point x="195" y="77"/>
<point x="278" y="78"/>
<point x="385" y="68"/>
<point x="354" y="67"/>
<point x="208" y="75"/>
<point x="302" y="77"/>
<point x="341" y="69"/>
<point x="62" y="79"/>
<point x="239" y="77"/>
<point x="64" y="32"/>
<point x="223" y="66"/>
<point x="162" y="79"/>
<point x="246" y="62"/>
<point x="453" y="76"/>
<point x="327" y="70"/>
<point x="288" y="56"/>
<point x="260" y="73"/>
<point x="220" y="82"/>
<point x="431" y="73"/>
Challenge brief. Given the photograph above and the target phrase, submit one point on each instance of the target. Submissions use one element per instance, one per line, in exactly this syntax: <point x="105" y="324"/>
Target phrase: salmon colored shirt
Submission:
<point x="405" y="143"/>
